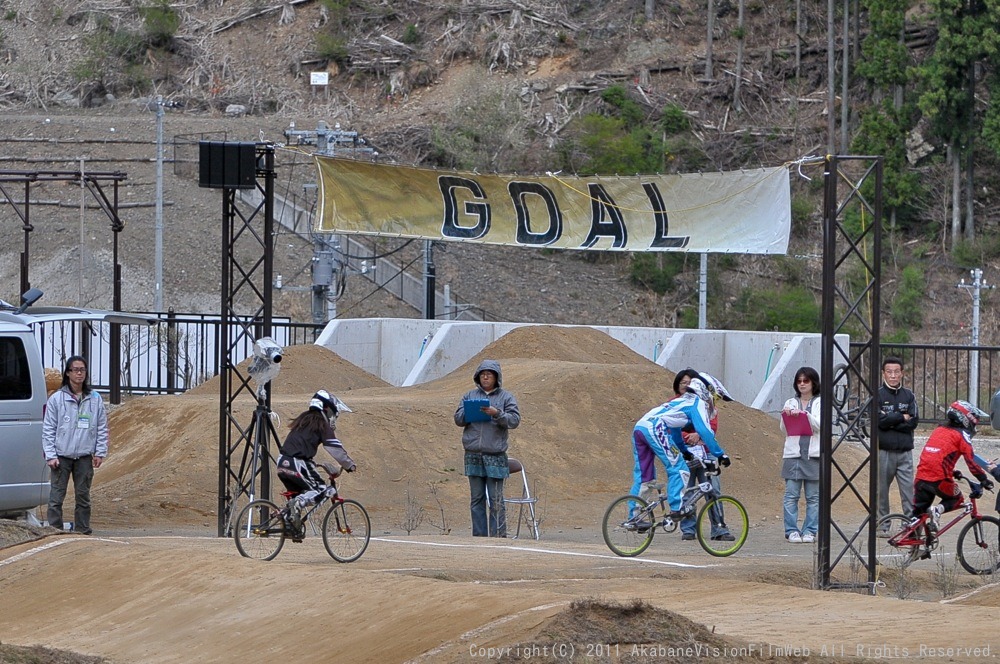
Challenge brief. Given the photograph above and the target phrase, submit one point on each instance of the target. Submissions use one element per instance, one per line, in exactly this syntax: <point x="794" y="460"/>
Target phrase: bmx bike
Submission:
<point x="262" y="527"/>
<point x="630" y="521"/>
<point x="910" y="539"/>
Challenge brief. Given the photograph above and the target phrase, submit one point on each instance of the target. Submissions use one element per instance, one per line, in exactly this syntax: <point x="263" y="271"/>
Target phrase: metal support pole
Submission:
<point x="429" y="273"/>
<point x="975" y="287"/>
<point x="158" y="271"/>
<point x="703" y="293"/>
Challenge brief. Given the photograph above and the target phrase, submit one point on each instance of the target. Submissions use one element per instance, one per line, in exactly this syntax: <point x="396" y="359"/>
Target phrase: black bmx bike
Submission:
<point x="262" y="527"/>
<point x="630" y="521"/>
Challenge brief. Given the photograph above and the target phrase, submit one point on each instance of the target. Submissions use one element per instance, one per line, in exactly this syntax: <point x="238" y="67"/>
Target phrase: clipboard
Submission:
<point x="473" y="410"/>
<point x="797" y="425"/>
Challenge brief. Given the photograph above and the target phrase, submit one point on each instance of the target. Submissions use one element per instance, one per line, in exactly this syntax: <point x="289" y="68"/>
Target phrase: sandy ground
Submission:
<point x="155" y="585"/>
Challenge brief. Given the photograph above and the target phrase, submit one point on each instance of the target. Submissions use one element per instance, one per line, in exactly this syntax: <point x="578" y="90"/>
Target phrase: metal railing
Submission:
<point x="180" y="352"/>
<point x="940" y="374"/>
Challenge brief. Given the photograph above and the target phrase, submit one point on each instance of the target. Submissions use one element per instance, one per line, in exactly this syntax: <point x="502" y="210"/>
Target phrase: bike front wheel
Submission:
<point x="346" y="531"/>
<point x="890" y="552"/>
<point x="979" y="545"/>
<point x="628" y="526"/>
<point x="260" y="530"/>
<point x="723" y="526"/>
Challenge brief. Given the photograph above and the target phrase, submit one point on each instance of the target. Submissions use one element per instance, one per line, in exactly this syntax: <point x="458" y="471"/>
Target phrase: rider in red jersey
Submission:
<point x="936" y="469"/>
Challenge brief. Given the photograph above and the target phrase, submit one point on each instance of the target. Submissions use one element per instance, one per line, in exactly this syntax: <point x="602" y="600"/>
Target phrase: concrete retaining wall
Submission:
<point x="756" y="367"/>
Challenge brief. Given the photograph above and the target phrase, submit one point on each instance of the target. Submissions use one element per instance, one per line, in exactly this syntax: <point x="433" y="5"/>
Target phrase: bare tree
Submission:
<point x="741" y="36"/>
<point x="708" y="44"/>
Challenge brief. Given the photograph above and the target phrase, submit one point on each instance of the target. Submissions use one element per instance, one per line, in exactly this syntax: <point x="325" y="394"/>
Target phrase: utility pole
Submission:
<point x="703" y="293"/>
<point x="974" y="287"/>
<point x="328" y="264"/>
<point x="158" y="270"/>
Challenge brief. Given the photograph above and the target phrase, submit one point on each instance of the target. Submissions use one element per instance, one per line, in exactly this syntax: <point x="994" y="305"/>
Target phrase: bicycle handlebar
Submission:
<point x="710" y="467"/>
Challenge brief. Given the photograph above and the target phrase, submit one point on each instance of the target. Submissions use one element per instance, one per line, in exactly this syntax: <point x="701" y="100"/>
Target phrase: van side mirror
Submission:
<point x="29" y="297"/>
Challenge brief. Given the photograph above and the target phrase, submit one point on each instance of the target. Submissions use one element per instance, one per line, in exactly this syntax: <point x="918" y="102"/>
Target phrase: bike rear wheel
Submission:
<point x="979" y="545"/>
<point x="628" y="535"/>
<point x="346" y="531"/>
<point x="888" y="551"/>
<point x="260" y="530"/>
<point x="717" y="517"/>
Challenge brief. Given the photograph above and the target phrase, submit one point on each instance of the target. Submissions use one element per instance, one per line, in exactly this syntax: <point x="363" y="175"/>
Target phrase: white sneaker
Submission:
<point x="934" y="518"/>
<point x="808" y="538"/>
<point x="794" y="537"/>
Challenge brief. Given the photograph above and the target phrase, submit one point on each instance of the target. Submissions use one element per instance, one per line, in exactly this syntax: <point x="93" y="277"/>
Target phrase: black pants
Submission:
<point x="925" y="492"/>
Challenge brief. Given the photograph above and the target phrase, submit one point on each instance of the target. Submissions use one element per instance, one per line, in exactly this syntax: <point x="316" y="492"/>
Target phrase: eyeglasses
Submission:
<point x="77" y="370"/>
<point x="804" y="380"/>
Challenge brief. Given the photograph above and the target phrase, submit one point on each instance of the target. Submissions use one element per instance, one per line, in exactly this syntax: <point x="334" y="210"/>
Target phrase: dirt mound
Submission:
<point x="562" y="344"/>
<point x="305" y="369"/>
<point x="574" y="439"/>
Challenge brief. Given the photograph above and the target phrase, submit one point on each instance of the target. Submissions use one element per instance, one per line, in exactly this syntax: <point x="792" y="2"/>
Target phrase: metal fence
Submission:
<point x="180" y="352"/>
<point x="940" y="374"/>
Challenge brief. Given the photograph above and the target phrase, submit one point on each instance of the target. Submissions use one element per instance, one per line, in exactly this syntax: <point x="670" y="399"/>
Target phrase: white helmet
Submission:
<point x="328" y="403"/>
<point x="699" y="387"/>
<point x="715" y="386"/>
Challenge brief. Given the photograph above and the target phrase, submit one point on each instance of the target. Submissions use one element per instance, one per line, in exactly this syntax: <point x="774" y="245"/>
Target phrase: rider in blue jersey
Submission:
<point x="658" y="435"/>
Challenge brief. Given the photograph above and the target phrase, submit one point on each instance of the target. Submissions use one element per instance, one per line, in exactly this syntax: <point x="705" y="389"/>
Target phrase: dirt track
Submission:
<point x="155" y="585"/>
<point x="436" y="599"/>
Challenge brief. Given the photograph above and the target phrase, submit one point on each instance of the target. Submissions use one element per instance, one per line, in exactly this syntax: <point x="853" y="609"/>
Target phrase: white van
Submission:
<point x="24" y="477"/>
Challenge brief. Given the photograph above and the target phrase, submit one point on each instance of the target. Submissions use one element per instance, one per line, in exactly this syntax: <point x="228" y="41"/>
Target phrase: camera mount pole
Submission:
<point x="246" y="278"/>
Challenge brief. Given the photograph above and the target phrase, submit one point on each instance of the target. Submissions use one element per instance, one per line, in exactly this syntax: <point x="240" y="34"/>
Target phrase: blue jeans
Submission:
<point x="497" y="524"/>
<point x="689" y="525"/>
<point x="793" y="489"/>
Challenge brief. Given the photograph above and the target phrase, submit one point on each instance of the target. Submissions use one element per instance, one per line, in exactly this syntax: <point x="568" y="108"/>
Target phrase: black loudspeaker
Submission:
<point x="227" y="165"/>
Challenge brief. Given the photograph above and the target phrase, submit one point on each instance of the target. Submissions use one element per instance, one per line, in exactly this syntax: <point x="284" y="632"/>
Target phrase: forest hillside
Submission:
<point x="511" y="86"/>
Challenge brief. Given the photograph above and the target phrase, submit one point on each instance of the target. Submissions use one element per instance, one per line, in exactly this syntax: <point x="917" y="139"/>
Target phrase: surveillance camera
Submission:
<point x="267" y="349"/>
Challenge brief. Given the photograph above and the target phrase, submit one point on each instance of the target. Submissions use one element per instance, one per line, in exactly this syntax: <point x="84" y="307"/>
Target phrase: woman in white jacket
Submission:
<point x="800" y="465"/>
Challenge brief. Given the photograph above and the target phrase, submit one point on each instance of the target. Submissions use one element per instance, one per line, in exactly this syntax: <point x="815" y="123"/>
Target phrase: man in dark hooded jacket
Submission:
<point x="484" y="438"/>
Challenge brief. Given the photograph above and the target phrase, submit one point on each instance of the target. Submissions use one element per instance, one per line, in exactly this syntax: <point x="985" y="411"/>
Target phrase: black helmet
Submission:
<point x="965" y="415"/>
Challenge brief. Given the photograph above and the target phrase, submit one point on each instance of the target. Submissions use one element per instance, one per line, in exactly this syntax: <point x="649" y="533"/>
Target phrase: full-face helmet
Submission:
<point x="328" y="404"/>
<point x="965" y="415"/>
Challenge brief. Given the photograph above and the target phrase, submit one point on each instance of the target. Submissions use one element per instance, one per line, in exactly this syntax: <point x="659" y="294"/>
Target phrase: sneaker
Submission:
<point x="687" y="537"/>
<point x="883" y="534"/>
<point x="933" y="519"/>
<point x="794" y="537"/>
<point x="726" y="537"/>
<point x="808" y="538"/>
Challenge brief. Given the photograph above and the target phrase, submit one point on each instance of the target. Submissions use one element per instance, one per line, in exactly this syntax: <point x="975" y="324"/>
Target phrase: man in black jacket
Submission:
<point x="897" y="419"/>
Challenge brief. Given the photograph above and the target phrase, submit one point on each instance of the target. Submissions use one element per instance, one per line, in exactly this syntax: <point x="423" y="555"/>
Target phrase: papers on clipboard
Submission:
<point x="797" y="425"/>
<point x="474" y="410"/>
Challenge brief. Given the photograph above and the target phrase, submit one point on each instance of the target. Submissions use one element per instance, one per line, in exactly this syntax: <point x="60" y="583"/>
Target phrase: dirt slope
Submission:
<point x="579" y="392"/>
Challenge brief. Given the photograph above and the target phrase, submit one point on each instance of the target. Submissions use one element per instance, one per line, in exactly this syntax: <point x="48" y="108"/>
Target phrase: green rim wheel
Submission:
<point x="628" y="526"/>
<point x="718" y="517"/>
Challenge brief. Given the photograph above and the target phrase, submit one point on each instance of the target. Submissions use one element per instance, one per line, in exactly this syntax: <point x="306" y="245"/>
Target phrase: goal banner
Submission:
<point x="733" y="212"/>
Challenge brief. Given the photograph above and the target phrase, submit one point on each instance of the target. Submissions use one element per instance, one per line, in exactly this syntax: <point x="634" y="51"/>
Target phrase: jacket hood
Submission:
<point x="489" y="365"/>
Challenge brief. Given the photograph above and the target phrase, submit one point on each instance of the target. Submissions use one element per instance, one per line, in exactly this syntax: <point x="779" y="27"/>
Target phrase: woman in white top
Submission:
<point x="800" y="466"/>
